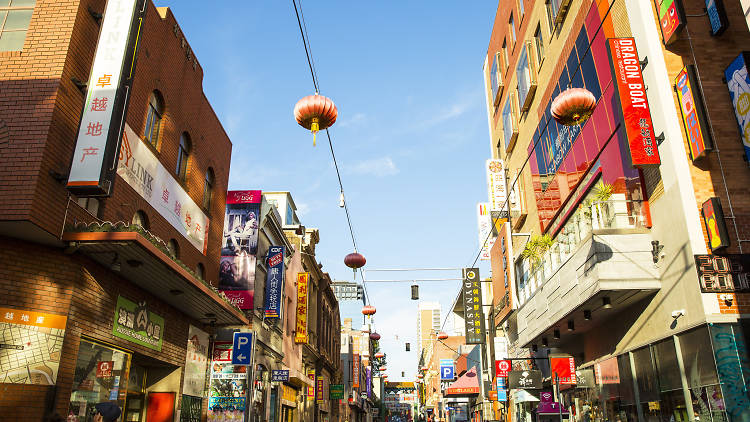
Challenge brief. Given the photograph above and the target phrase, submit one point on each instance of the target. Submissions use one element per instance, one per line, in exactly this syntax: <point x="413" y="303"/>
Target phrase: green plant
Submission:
<point x="603" y="191"/>
<point x="536" y="247"/>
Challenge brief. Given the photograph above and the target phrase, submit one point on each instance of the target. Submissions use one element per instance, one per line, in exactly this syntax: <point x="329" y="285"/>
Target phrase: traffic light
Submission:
<point x="414" y="292"/>
<point x="408" y="347"/>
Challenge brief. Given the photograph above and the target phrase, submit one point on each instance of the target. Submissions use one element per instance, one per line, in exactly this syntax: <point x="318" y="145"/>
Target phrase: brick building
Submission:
<point x="108" y="298"/>
<point x="642" y="280"/>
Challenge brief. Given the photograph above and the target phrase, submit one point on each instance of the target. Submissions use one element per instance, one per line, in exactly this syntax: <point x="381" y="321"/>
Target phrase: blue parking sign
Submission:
<point x="242" y="348"/>
<point x="447" y="373"/>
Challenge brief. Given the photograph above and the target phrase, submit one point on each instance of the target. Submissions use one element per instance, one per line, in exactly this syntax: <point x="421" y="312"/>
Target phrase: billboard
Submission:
<point x="274" y="282"/>
<point x="738" y="83"/>
<point x="693" y="112"/>
<point x="636" y="115"/>
<point x="671" y="19"/>
<point x="30" y="346"/>
<point x="107" y="96"/>
<point x="228" y="385"/>
<point x="473" y="314"/>
<point x="239" y="247"/>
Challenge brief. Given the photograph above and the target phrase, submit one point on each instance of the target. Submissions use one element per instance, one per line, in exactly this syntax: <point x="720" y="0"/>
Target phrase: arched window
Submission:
<point x="208" y="188"/>
<point x="153" y="119"/>
<point x="183" y="154"/>
<point x="200" y="271"/>
<point x="140" y="219"/>
<point x="174" y="248"/>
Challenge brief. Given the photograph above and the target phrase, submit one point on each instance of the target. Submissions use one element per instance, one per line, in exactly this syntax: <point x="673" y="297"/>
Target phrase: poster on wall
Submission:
<point x="136" y="323"/>
<point x="228" y="386"/>
<point x="693" y="111"/>
<point x="139" y="167"/>
<point x="196" y="361"/>
<point x="671" y="19"/>
<point x="239" y="247"/>
<point x="30" y="346"/>
<point x="738" y="83"/>
<point x="274" y="282"/>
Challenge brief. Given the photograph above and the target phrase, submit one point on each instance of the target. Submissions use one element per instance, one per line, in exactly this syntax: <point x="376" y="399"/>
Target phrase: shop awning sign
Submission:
<point x="242" y="348"/>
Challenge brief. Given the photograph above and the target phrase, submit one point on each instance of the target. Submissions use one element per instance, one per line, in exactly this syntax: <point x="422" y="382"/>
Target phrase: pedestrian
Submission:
<point x="107" y="412"/>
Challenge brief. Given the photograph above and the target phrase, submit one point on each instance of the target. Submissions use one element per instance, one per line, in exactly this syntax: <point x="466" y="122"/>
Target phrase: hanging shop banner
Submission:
<point x="280" y="375"/>
<point x="723" y="274"/>
<point x="228" y="385"/>
<point x="672" y="19"/>
<point x="30" y="346"/>
<point x="693" y="112"/>
<point x="107" y="97"/>
<point x="738" y="83"/>
<point x="626" y="68"/>
<point x="300" y="333"/>
<point x="368" y="381"/>
<point x="311" y="390"/>
<point x="473" y="314"/>
<point x="607" y="372"/>
<point x="135" y="323"/>
<point x="196" y="361"/>
<point x="502" y="367"/>
<point x="337" y="392"/>
<point x="355" y="371"/>
<point x="274" y="282"/>
<point x="717" y="16"/>
<point x="142" y="170"/>
<point x="564" y="369"/>
<point x="585" y="378"/>
<point x="319" y="389"/>
<point x="288" y="393"/>
<point x="496" y="184"/>
<point x="239" y="247"/>
<point x="484" y="226"/>
<point x="530" y="379"/>
<point x="716" y="227"/>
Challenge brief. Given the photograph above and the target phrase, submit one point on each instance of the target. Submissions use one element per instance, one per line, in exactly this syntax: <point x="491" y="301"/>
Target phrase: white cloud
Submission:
<point x="379" y="167"/>
<point x="302" y="209"/>
<point x="356" y="119"/>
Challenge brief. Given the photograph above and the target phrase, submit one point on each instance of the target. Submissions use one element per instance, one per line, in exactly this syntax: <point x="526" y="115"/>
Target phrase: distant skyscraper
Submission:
<point x="428" y="321"/>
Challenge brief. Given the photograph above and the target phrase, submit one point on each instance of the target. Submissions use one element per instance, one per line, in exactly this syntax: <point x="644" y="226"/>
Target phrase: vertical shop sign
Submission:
<point x="300" y="334"/>
<point x="496" y="184"/>
<point x="355" y="371"/>
<point x="716" y="227"/>
<point x="274" y="282"/>
<point x="738" y="83"/>
<point x="733" y="366"/>
<point x="30" y="340"/>
<point x="484" y="225"/>
<point x="671" y="18"/>
<point x="107" y="96"/>
<point x="239" y="247"/>
<point x="134" y="322"/>
<point x="717" y="16"/>
<point x="368" y="378"/>
<point x="636" y="116"/>
<point x="311" y="390"/>
<point x="564" y="368"/>
<point x="319" y="389"/>
<point x="196" y="361"/>
<point x="692" y="107"/>
<point x="473" y="314"/>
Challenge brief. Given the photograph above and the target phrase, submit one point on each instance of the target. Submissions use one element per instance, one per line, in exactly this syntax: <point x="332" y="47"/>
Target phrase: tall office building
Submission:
<point x="428" y="320"/>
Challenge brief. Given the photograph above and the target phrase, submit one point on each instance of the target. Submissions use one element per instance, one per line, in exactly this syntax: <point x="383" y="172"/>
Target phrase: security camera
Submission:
<point x="678" y="313"/>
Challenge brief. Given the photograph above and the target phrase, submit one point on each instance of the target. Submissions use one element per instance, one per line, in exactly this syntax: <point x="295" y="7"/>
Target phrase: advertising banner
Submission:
<point x="196" y="361"/>
<point x="693" y="112"/>
<point x="300" y="332"/>
<point x="738" y="83"/>
<point x="134" y="322"/>
<point x="530" y="379"/>
<point x="107" y="98"/>
<point x="228" y="386"/>
<point x="564" y="368"/>
<point x="368" y="381"/>
<point x="143" y="171"/>
<point x="274" y="282"/>
<point x="716" y="227"/>
<point x="30" y="346"/>
<point x="671" y="18"/>
<point x="473" y="314"/>
<point x="607" y="372"/>
<point x="240" y="246"/>
<point x="636" y="115"/>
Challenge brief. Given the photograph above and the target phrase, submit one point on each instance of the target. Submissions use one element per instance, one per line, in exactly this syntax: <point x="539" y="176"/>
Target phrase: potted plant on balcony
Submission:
<point x="535" y="250"/>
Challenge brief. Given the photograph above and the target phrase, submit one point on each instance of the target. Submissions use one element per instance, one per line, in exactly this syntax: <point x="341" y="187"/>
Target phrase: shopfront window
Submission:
<point x="700" y="371"/>
<point x="670" y="384"/>
<point x="101" y="375"/>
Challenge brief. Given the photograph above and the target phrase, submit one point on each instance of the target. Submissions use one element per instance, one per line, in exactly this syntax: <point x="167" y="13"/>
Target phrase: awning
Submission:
<point x="466" y="385"/>
<point x="145" y="265"/>
<point x="520" y="395"/>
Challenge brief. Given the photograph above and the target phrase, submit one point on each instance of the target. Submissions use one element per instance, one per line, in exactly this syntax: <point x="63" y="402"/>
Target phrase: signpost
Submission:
<point x="242" y="348"/>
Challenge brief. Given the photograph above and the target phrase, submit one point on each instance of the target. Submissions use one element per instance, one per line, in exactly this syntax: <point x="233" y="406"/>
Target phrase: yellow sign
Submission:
<point x="300" y="335"/>
<point x="288" y="393"/>
<point x="32" y="319"/>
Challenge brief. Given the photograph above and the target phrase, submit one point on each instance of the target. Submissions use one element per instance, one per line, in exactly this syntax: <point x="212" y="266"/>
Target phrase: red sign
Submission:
<point x="564" y="368"/>
<point x="693" y="112"/>
<point x="607" y="372"/>
<point x="623" y="58"/>
<point x="716" y="227"/>
<point x="671" y="19"/>
<point x="243" y="197"/>
<point x="502" y="367"/>
<point x="104" y="368"/>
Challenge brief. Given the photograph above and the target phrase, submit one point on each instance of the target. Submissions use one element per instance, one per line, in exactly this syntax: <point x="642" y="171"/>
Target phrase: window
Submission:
<point x="183" y="155"/>
<point x="90" y="204"/>
<point x="512" y="29"/>
<point x="508" y="122"/>
<point x="174" y="248"/>
<point x="506" y="63"/>
<point x="539" y="44"/>
<point x="15" y="16"/>
<point x="208" y="188"/>
<point x="520" y="8"/>
<point x="140" y="219"/>
<point x="526" y="74"/>
<point x="153" y="119"/>
<point x="89" y="387"/>
<point x="549" y="7"/>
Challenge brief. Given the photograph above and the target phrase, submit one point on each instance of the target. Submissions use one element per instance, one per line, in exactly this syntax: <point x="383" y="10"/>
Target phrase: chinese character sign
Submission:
<point x="135" y="323"/>
<point x="473" y="314"/>
<point x="738" y="83"/>
<point x="693" y="112"/>
<point x="140" y="169"/>
<point x="355" y="371"/>
<point x="274" y="282"/>
<point x="239" y="247"/>
<point x="300" y="335"/>
<point x="496" y="184"/>
<point x="564" y="368"/>
<point x="106" y="98"/>
<point x="484" y="223"/>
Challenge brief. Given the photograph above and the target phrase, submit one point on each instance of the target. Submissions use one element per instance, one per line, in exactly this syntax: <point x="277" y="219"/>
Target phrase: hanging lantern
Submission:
<point x="315" y="112"/>
<point x="368" y="310"/>
<point x="424" y="368"/>
<point x="383" y="369"/>
<point x="379" y="355"/>
<point x="420" y="376"/>
<point x="374" y="336"/>
<point x="573" y="106"/>
<point x="442" y="335"/>
<point x="355" y="260"/>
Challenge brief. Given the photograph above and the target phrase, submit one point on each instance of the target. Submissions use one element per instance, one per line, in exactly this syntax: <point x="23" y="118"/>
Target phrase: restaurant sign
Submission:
<point x="274" y="282"/>
<point x="473" y="315"/>
<point x="693" y="111"/>
<point x="135" y="323"/>
<point x="300" y="332"/>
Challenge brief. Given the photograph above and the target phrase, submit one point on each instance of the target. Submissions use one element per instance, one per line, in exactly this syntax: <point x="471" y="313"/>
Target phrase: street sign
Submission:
<point x="447" y="373"/>
<point x="525" y="379"/>
<point x="280" y="375"/>
<point x="242" y="348"/>
<point x="502" y="367"/>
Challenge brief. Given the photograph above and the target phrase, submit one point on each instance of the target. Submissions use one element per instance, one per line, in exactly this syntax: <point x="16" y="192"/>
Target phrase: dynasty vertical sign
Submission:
<point x="300" y="335"/>
<point x="473" y="315"/>
<point x="102" y="120"/>
<point x="274" y="282"/>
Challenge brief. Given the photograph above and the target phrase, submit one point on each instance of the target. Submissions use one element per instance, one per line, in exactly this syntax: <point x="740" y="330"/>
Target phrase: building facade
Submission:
<point x="630" y="280"/>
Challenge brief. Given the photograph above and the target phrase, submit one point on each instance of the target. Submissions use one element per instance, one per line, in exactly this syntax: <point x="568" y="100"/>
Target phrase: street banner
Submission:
<point x="300" y="332"/>
<point x="473" y="314"/>
<point x="526" y="379"/>
<point x="585" y="378"/>
<point x="564" y="368"/>
<point x="107" y="97"/>
<point x="738" y="82"/>
<point x="240" y="246"/>
<point x="319" y="389"/>
<point x="30" y="346"/>
<point x="134" y="322"/>
<point x="484" y="226"/>
<point x="274" y="282"/>
<point x="368" y="381"/>
<point x="311" y="390"/>
<point x="196" y="361"/>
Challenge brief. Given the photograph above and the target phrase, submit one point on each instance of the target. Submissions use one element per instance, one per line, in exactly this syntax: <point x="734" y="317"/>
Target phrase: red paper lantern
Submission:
<point x="368" y="310"/>
<point x="420" y="376"/>
<point x="355" y="260"/>
<point x="315" y="112"/>
<point x="383" y="369"/>
<point x="424" y="368"/>
<point x="573" y="106"/>
<point x="374" y="336"/>
<point x="379" y="355"/>
<point x="442" y="335"/>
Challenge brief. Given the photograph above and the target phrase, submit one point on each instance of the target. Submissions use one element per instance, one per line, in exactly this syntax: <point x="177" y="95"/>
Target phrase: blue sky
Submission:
<point x="411" y="138"/>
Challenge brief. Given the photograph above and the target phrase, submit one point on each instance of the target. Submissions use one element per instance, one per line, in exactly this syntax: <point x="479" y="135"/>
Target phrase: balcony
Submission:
<point x="601" y="259"/>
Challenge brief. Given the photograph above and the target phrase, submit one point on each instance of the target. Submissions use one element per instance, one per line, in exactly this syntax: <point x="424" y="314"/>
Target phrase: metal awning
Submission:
<point x="144" y="265"/>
